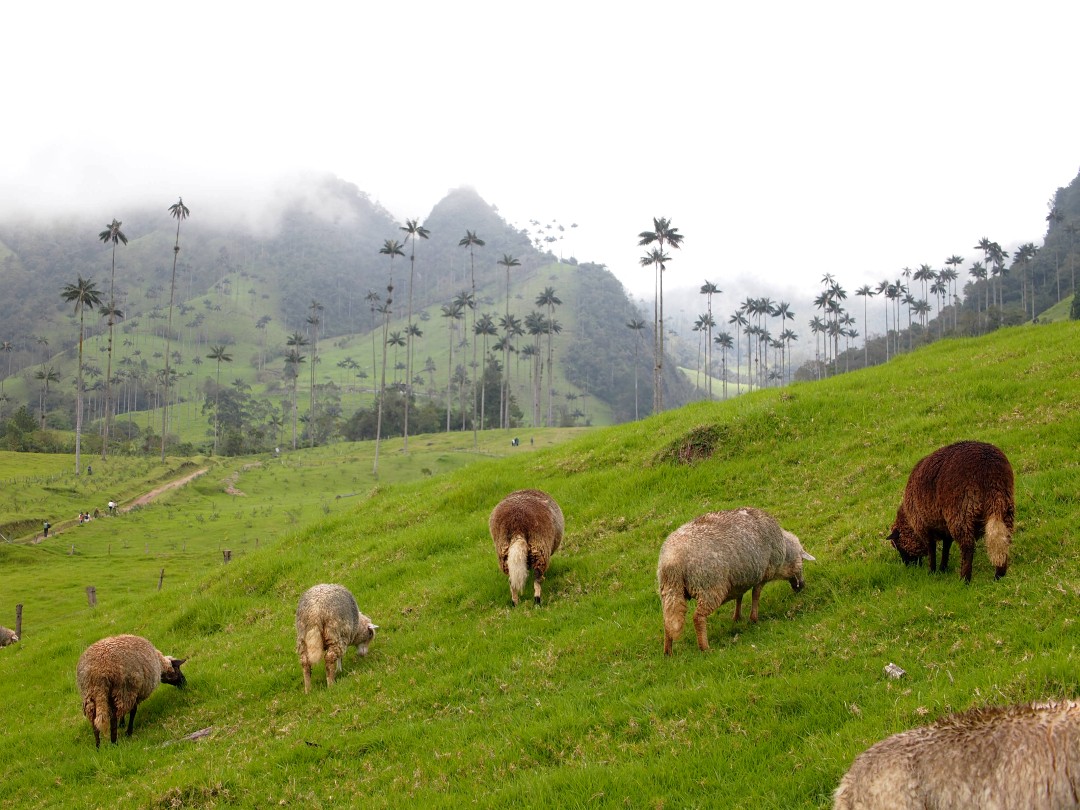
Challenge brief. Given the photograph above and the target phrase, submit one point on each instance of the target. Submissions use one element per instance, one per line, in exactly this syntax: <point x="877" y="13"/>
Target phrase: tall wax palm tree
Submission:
<point x="385" y="310"/>
<point x="85" y="295"/>
<point x="663" y="233"/>
<point x="725" y="342"/>
<point x="549" y="300"/>
<point x="7" y="347"/>
<point x="883" y="289"/>
<point x="867" y="293"/>
<point x="708" y="289"/>
<point x="636" y="324"/>
<point x="293" y="358"/>
<point x="111" y="235"/>
<point x="219" y="354"/>
<point x="413" y="231"/>
<point x="45" y="375"/>
<point x="471" y="241"/>
<point x="508" y="262"/>
<point x="179" y="212"/>
<point x="483" y="329"/>
<point x="453" y="312"/>
<point x="536" y="327"/>
<point x="313" y="320"/>
<point x="738" y="320"/>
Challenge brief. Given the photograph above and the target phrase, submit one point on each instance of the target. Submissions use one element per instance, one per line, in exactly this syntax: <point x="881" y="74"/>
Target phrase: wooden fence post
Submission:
<point x="18" y="620"/>
<point x="161" y="579"/>
<point x="91" y="595"/>
<point x="227" y="554"/>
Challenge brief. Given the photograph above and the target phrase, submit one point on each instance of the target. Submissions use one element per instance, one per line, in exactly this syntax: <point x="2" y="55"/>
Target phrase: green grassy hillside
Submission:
<point x="463" y="700"/>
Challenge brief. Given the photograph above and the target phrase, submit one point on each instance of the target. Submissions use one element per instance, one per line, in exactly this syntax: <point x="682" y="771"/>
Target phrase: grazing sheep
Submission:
<point x="116" y="674"/>
<point x="7" y="637"/>
<point x="957" y="493"/>
<point x="718" y="557"/>
<point x="1002" y="758"/>
<point x="328" y="622"/>
<point x="527" y="528"/>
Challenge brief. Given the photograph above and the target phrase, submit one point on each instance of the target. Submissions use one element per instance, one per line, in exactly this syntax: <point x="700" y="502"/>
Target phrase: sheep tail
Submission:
<point x="96" y="709"/>
<point x="313" y="644"/>
<point x="517" y="563"/>
<point x="997" y="541"/>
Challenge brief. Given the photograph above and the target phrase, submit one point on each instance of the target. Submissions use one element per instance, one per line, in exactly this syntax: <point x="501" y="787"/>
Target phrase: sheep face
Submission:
<point x="911" y="547"/>
<point x="364" y="636"/>
<point x="173" y="676"/>
<point x="793" y="568"/>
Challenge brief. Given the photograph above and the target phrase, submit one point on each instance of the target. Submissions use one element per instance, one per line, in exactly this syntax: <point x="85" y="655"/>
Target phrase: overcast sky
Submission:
<point x="785" y="140"/>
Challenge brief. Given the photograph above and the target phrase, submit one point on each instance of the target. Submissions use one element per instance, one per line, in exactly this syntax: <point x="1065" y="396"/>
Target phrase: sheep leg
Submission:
<point x="931" y="543"/>
<point x="333" y="662"/>
<point x="112" y="724"/>
<point x="738" y="608"/>
<point x="674" y="618"/>
<point x="946" y="544"/>
<point x="131" y="719"/>
<point x="754" y="597"/>
<point x="704" y="607"/>
<point x="538" y="577"/>
<point x="307" y="675"/>
<point x="97" y="737"/>
<point x="967" y="556"/>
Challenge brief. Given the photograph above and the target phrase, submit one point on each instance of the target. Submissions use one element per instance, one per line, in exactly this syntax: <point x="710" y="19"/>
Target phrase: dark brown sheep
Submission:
<point x="960" y="492"/>
<point x="1001" y="758"/>
<point x="527" y="528"/>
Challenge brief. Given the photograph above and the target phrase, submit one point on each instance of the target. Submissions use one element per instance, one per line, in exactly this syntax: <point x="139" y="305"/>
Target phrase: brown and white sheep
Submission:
<point x="1003" y="758"/>
<point x="118" y="673"/>
<point x="718" y="557"/>
<point x="958" y="492"/>
<point x="328" y="622"/>
<point x="7" y="637"/>
<point x="527" y="527"/>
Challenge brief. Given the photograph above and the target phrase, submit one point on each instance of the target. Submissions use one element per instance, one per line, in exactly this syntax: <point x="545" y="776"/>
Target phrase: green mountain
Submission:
<point x="249" y="287"/>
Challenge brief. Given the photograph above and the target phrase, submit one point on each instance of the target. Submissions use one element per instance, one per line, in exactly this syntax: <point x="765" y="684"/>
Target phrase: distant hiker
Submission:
<point x="89" y="469"/>
<point x="112" y="507"/>
<point x="97" y="513"/>
<point x="47" y="526"/>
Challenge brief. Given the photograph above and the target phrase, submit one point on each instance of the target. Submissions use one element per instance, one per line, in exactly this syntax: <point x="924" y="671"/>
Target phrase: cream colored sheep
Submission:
<point x="116" y="674"/>
<point x="7" y="637"/>
<point x="718" y="557"/>
<point x="1002" y="758"/>
<point x="328" y="622"/>
<point x="527" y="528"/>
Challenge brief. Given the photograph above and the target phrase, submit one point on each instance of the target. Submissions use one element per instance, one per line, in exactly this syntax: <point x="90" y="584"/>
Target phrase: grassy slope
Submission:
<point x="463" y="699"/>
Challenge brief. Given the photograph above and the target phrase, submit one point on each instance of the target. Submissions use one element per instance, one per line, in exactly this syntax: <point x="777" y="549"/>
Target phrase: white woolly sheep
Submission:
<point x="7" y="637"/>
<point x="328" y="622"/>
<point x="1002" y="758"/>
<point x="116" y="674"/>
<point x="527" y="528"/>
<point x="718" y="557"/>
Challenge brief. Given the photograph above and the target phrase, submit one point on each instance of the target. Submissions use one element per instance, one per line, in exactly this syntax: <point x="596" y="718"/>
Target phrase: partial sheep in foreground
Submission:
<point x="958" y="492"/>
<point x="527" y="527"/>
<point x="1005" y="758"/>
<point x="328" y="622"/>
<point x="7" y="637"/>
<point x="116" y="674"/>
<point x="718" y="557"/>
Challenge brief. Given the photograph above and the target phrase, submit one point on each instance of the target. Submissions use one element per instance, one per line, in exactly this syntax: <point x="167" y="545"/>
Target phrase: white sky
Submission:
<point x="785" y="140"/>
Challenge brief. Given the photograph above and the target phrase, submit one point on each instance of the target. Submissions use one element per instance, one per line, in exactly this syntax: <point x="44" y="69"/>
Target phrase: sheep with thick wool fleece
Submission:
<point x="527" y="528"/>
<point x="7" y="637"/>
<point x="958" y="492"/>
<point x="718" y="557"/>
<point x="1024" y="757"/>
<point x="328" y="622"/>
<point x="118" y="673"/>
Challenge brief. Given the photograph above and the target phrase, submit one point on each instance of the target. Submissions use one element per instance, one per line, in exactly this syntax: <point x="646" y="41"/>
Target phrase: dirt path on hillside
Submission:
<point x="144" y="499"/>
<point x="141" y="500"/>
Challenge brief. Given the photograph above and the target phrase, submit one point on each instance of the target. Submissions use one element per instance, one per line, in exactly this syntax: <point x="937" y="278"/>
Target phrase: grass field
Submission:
<point x="466" y="701"/>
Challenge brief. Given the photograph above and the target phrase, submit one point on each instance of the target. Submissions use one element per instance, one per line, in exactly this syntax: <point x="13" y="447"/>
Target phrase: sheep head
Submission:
<point x="911" y="547"/>
<point x="172" y="674"/>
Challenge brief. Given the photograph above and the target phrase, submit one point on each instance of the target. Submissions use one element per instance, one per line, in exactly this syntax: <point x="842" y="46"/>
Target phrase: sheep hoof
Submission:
<point x="536" y="600"/>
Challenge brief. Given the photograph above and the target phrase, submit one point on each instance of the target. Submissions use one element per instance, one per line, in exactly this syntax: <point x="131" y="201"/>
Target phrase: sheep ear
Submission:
<point x="806" y="556"/>
<point x="177" y="661"/>
<point x="373" y="626"/>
